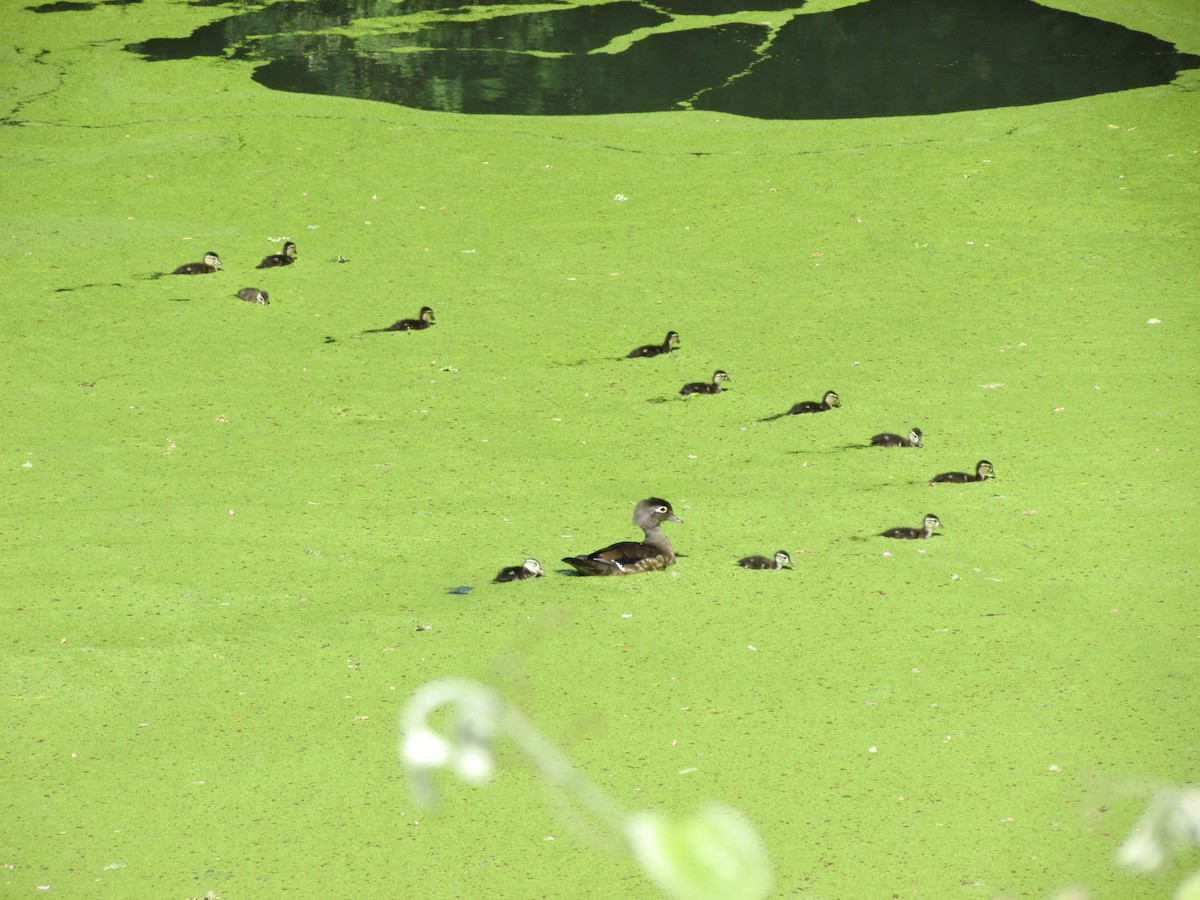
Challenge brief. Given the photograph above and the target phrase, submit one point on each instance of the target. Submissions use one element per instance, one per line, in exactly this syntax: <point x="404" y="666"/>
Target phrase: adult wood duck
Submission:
<point x="671" y="342"/>
<point x="423" y="320"/>
<point x="983" y="471"/>
<point x="887" y="439"/>
<point x="211" y="263"/>
<point x="781" y="561"/>
<point x="630" y="557"/>
<point x="926" y="530"/>
<point x="706" y="387"/>
<point x="254" y="295"/>
<point x="286" y="258"/>
<point x="528" y="569"/>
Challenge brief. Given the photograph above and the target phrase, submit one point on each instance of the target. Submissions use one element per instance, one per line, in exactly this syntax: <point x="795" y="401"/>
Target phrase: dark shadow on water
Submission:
<point x="878" y="58"/>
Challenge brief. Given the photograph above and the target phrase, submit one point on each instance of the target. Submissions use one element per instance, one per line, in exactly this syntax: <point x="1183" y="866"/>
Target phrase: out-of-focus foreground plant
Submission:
<point x="712" y="855"/>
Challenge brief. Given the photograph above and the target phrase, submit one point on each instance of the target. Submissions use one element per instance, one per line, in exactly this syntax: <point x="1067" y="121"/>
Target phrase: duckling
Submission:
<point x="629" y="557"/>
<point x="423" y="320"/>
<point x="706" y="387"/>
<point x="887" y="439"/>
<point x="781" y="561"/>
<point x="531" y="568"/>
<point x="926" y="530"/>
<point x="286" y="258"/>
<point x="983" y="471"/>
<point x="829" y="401"/>
<point x="211" y="263"/>
<point x="254" y="295"/>
<point x="666" y="346"/>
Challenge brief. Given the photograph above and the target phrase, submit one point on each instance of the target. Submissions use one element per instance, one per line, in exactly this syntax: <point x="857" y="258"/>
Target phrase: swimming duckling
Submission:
<point x="829" y="401"/>
<point x="781" y="561"/>
<point x="666" y="346"/>
<point x="926" y="530"/>
<point x="423" y="320"/>
<point x="211" y="263"/>
<point x="254" y="295"/>
<point x="531" y="568"/>
<point x="983" y="471"/>
<point x="706" y="387"/>
<point x="286" y="258"/>
<point x="629" y="557"/>
<point x="887" y="439"/>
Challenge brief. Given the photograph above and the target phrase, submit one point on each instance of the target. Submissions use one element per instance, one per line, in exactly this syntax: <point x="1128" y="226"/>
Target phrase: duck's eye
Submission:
<point x="662" y="509"/>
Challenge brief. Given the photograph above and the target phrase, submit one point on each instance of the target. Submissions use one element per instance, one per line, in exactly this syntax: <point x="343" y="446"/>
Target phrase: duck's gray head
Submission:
<point x="832" y="398"/>
<point x="984" y="469"/>
<point x="426" y="314"/>
<point x="782" y="560"/>
<point x="914" y="437"/>
<point x="720" y="375"/>
<point x="654" y="511"/>
<point x="932" y="521"/>
<point x="672" y="338"/>
<point x="211" y="259"/>
<point x="533" y="566"/>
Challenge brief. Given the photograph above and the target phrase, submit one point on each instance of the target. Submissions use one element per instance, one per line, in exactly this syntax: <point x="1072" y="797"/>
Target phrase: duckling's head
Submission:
<point x="932" y="521"/>
<point x="832" y="399"/>
<point x="672" y="339"/>
<point x="653" y="511"/>
<point x="533" y="567"/>
<point x="211" y="259"/>
<point x="289" y="250"/>
<point x="782" y="560"/>
<point x="984" y="469"/>
<point x="426" y="314"/>
<point x="914" y="437"/>
<point x="719" y="376"/>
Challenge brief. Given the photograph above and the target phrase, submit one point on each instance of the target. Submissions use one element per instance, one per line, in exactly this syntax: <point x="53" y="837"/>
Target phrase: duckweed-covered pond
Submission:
<point x="237" y="537"/>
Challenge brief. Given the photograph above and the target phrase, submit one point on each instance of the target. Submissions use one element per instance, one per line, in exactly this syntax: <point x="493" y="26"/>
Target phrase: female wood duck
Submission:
<point x="211" y="263"/>
<point x="781" y="561"/>
<point x="630" y="557"/>
<point x="983" y="471"/>
<point x="887" y="439"/>
<point x="528" y="569"/>
<point x="926" y="530"/>
<point x="829" y="401"/>
<point x="666" y="346"/>
<point x="286" y="258"/>
<point x="254" y="295"/>
<point x="423" y="320"/>
<point x="706" y="387"/>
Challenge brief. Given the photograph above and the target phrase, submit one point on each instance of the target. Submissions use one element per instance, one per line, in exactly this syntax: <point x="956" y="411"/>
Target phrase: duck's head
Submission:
<point x="720" y="375"/>
<point x="211" y="259"/>
<point x="832" y="398"/>
<point x="782" y="560"/>
<point x="653" y="511"/>
<point x="914" y="437"/>
<point x="533" y="566"/>
<point x="426" y="314"/>
<point x="984" y="469"/>
<point x="672" y="339"/>
<point x="932" y="521"/>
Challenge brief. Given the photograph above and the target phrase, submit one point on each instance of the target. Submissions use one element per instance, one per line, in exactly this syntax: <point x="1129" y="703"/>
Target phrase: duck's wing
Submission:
<point x="621" y="558"/>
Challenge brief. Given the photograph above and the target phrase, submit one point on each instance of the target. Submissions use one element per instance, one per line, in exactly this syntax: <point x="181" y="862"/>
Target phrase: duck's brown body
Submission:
<point x="286" y="258"/>
<point x="669" y="344"/>
<point x="631" y="557"/>
<point x="705" y="387"/>
<point x="211" y="263"/>
<point x="983" y="471"/>
<point x="925" y="531"/>
<point x="780" y="561"/>
<point x="887" y="439"/>
<point x="528" y="569"/>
